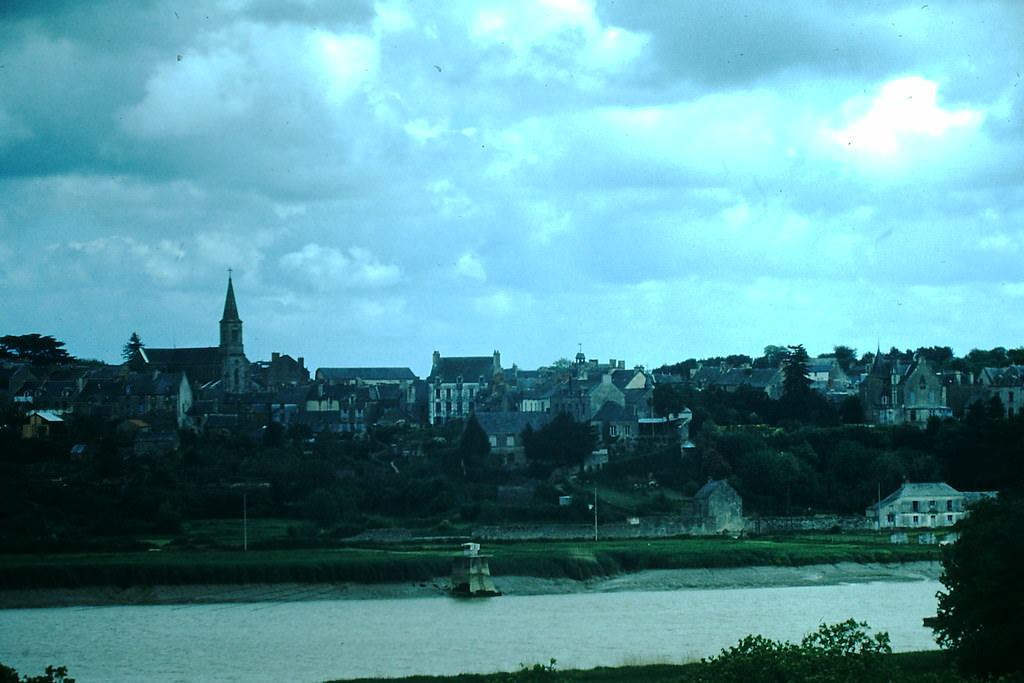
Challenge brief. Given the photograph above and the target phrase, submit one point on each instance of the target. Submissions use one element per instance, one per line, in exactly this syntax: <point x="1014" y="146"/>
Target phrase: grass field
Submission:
<point x="580" y="560"/>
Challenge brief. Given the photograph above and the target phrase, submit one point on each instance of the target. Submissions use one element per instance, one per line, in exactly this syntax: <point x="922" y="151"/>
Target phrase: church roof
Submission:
<point x="203" y="355"/>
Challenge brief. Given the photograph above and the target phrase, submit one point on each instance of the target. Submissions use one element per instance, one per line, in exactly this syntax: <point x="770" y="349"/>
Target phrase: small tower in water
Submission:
<point x="471" y="574"/>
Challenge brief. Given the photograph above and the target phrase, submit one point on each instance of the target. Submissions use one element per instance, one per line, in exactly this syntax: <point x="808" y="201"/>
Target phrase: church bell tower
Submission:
<point x="234" y="365"/>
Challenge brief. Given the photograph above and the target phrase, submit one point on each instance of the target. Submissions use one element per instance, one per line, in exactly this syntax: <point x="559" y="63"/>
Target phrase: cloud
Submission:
<point x="328" y="268"/>
<point x="470" y="266"/>
<point x="904" y="110"/>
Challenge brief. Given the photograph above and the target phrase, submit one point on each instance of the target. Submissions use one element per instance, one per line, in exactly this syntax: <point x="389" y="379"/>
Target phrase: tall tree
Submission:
<point x="796" y="380"/>
<point x="979" y="613"/>
<point x="132" y="346"/>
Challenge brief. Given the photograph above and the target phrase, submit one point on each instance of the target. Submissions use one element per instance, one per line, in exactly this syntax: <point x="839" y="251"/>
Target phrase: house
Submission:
<point x="42" y="424"/>
<point x="505" y="433"/>
<point x="718" y="508"/>
<point x="1006" y="383"/>
<point x="923" y="505"/>
<point x="281" y="370"/>
<point x="458" y="383"/>
<point x="898" y="392"/>
<point x="768" y="380"/>
<point x="403" y="378"/>
<point x="827" y="377"/>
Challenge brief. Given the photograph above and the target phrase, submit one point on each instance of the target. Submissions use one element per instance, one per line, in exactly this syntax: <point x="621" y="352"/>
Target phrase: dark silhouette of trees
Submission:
<point x="34" y="348"/>
<point x="561" y="442"/>
<point x="979" y="612"/>
<point x="796" y="381"/>
<point x="132" y="346"/>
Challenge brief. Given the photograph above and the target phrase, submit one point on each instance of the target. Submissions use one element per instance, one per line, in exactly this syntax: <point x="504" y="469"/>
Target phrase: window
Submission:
<point x="891" y="518"/>
<point x="1010" y="397"/>
<point x="949" y="518"/>
<point x="949" y="506"/>
<point x="916" y="507"/>
<point x="510" y="441"/>
<point x="916" y="519"/>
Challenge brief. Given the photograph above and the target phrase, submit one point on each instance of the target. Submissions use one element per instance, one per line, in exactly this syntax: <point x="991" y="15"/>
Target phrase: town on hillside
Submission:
<point x="514" y="427"/>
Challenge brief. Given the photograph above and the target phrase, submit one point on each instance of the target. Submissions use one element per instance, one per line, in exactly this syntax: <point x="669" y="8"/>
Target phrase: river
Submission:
<point x="317" y="640"/>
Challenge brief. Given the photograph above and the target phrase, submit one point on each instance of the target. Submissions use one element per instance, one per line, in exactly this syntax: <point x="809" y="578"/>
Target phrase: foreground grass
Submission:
<point x="914" y="667"/>
<point x="397" y="563"/>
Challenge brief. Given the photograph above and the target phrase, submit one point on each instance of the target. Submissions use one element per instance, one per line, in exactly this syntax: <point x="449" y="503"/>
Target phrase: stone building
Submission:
<point x="457" y="384"/>
<point x="896" y="392"/>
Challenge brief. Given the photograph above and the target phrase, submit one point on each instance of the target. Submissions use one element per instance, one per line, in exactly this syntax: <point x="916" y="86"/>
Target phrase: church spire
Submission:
<point x="234" y="366"/>
<point x="230" y="308"/>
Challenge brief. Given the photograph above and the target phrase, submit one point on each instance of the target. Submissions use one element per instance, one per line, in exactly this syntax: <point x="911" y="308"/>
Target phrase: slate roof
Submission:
<point x="1010" y="376"/>
<point x="759" y="378"/>
<point x="469" y="368"/>
<point x="511" y="422"/>
<point x="366" y="374"/>
<point x="923" y="490"/>
<point x="613" y="412"/>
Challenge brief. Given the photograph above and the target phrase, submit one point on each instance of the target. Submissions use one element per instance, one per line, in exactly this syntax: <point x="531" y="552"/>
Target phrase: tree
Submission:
<point x="667" y="399"/>
<point x="979" y="612"/>
<point x="35" y="348"/>
<point x="796" y="381"/>
<point x="132" y="346"/>
<point x="846" y="356"/>
<point x="474" y="446"/>
<point x="772" y="358"/>
<point x="563" y="441"/>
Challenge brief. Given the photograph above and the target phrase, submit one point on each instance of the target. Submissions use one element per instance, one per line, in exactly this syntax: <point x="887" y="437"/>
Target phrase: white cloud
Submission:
<point x="904" y="109"/>
<point x="346" y="62"/>
<point x="471" y="267"/>
<point x="328" y="268"/>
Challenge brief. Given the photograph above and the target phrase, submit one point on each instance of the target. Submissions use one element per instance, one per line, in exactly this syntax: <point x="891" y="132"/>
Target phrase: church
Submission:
<point x="224" y="367"/>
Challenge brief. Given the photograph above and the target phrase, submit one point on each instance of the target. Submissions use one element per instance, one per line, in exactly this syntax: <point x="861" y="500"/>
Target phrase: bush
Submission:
<point x="835" y="652"/>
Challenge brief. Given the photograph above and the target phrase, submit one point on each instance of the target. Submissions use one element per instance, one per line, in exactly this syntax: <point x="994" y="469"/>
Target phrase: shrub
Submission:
<point x="835" y="652"/>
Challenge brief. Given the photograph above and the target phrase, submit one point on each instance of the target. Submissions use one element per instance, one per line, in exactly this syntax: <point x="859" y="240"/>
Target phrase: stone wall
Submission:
<point x="774" y="525"/>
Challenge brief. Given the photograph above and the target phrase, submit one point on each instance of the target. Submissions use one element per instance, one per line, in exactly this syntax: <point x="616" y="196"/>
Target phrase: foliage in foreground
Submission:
<point x="53" y="674"/>
<point x="843" y="652"/>
<point x="979" y="613"/>
<point x="835" y="652"/>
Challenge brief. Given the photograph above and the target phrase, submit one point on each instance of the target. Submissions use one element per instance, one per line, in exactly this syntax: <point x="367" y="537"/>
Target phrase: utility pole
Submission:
<point x="595" y="513"/>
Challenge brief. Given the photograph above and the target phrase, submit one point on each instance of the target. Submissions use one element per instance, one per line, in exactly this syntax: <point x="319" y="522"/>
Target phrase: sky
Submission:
<point x="644" y="180"/>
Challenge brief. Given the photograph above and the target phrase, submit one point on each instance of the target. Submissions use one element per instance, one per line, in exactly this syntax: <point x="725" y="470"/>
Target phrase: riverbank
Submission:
<point x="646" y="580"/>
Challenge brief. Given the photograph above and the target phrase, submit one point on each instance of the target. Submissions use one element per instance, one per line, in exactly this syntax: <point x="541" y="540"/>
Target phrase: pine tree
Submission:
<point x="131" y="347"/>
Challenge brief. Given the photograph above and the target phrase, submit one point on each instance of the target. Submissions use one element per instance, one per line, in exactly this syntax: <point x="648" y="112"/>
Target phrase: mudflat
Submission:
<point x="649" y="580"/>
